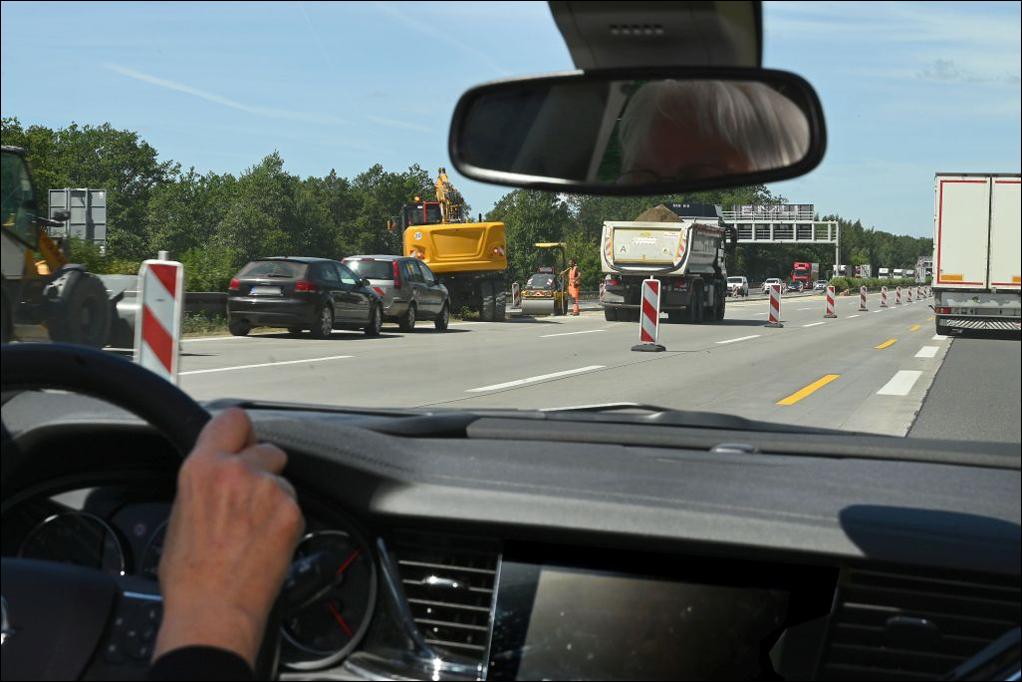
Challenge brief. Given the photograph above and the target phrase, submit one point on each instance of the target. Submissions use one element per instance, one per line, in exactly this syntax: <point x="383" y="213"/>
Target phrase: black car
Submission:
<point x="318" y="294"/>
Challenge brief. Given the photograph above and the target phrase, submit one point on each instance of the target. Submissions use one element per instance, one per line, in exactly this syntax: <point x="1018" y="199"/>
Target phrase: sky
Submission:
<point x="908" y="89"/>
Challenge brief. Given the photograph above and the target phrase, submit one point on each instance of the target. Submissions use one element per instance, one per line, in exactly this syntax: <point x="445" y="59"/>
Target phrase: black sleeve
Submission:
<point x="200" y="663"/>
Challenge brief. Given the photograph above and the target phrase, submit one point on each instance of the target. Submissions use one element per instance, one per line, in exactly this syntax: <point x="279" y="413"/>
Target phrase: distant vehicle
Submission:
<point x="317" y="294"/>
<point x="821" y="285"/>
<point x="977" y="252"/>
<point x="899" y="273"/>
<point x="804" y="273"/>
<point x="794" y="286"/>
<point x="884" y="273"/>
<point x="770" y="282"/>
<point x="408" y="289"/>
<point x="543" y="294"/>
<point x="738" y="285"/>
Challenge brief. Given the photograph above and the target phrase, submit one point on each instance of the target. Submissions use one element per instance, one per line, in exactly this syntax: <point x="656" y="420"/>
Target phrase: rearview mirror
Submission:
<point x="639" y="132"/>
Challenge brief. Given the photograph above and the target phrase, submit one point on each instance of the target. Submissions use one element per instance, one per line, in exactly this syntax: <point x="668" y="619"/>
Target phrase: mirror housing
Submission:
<point x="639" y="131"/>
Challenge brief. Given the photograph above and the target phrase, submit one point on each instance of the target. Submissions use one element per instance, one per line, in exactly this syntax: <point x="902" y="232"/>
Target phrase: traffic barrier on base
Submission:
<point x="919" y="294"/>
<point x="516" y="295"/>
<point x="158" y="322"/>
<point x="649" y="317"/>
<point x="775" y="306"/>
<point x="897" y="296"/>
<point x="883" y="297"/>
<point x="862" y="299"/>
<point x="830" y="303"/>
<point x="908" y="294"/>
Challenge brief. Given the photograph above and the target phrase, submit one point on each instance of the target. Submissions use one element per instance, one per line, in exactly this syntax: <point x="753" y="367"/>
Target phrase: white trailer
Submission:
<point x="686" y="255"/>
<point x="977" y="256"/>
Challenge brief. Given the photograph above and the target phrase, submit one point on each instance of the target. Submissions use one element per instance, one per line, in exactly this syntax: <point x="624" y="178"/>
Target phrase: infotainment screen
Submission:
<point x="565" y="622"/>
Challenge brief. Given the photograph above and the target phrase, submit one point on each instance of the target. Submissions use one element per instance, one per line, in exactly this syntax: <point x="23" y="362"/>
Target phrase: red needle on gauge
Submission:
<point x="339" y="618"/>
<point x="347" y="562"/>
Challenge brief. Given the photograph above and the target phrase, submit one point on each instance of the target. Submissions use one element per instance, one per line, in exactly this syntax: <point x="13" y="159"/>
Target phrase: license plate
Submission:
<point x="265" y="291"/>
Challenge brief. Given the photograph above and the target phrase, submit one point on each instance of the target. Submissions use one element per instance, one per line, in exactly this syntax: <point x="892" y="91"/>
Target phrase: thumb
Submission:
<point x="230" y="431"/>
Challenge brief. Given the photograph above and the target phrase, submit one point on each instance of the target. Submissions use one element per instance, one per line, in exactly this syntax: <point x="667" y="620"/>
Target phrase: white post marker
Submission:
<point x="649" y="317"/>
<point x="862" y="299"/>
<point x="883" y="297"/>
<point x="830" y="303"/>
<point x="908" y="292"/>
<point x="516" y="295"/>
<point x="158" y="322"/>
<point x="919" y="294"/>
<point x="897" y="296"/>
<point x="775" y="306"/>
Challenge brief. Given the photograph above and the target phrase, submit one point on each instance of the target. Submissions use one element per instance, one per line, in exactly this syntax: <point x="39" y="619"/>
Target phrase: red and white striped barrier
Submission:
<point x="158" y="323"/>
<point x="775" y="306"/>
<point x="919" y="293"/>
<point x="908" y="294"/>
<point x="883" y="297"/>
<point x="897" y="296"/>
<point x="649" y="317"/>
<point x="830" y="303"/>
<point x="862" y="299"/>
<point x="516" y="295"/>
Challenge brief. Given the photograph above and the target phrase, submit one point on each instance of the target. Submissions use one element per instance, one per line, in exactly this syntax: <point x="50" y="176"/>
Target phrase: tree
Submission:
<point x="529" y="216"/>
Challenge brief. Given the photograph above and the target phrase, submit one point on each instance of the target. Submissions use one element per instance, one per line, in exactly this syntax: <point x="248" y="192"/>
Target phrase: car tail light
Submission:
<point x="613" y="283"/>
<point x="235" y="284"/>
<point x="942" y="311"/>
<point x="304" y="285"/>
<point x="397" y="275"/>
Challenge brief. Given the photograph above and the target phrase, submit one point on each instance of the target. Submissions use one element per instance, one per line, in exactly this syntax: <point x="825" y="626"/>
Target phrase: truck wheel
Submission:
<point x="718" y="308"/>
<point x="694" y="310"/>
<point x="488" y="304"/>
<point x="407" y="321"/>
<point x="500" y="300"/>
<point x="610" y="314"/>
<point x="239" y="328"/>
<point x="676" y="316"/>
<point x="82" y="313"/>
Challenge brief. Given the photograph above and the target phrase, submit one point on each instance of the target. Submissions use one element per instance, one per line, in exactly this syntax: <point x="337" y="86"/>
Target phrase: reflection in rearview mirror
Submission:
<point x="636" y="135"/>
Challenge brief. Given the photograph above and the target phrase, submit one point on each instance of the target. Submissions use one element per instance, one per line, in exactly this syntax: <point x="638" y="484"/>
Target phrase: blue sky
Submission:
<point x="907" y="88"/>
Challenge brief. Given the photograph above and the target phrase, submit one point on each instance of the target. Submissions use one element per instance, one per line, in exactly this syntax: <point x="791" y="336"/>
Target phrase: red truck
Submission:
<point x="805" y="274"/>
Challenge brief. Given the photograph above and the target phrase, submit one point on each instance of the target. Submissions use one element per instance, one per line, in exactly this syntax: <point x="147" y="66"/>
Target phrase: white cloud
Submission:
<point x="271" y="112"/>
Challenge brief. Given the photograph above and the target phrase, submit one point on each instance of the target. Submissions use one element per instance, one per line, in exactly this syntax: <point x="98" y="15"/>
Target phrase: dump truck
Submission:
<point x="469" y="258"/>
<point x="683" y="247"/>
<point x="977" y="251"/>
<point x="44" y="296"/>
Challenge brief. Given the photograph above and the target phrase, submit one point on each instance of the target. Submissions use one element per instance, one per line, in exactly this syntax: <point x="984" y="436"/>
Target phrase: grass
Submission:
<point x="203" y="324"/>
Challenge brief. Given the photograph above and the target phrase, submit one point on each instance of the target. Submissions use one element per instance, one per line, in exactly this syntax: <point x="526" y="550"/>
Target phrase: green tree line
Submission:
<point x="214" y="223"/>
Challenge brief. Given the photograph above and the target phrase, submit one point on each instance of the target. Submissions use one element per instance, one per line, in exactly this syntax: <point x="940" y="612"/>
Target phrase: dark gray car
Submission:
<point x="407" y="288"/>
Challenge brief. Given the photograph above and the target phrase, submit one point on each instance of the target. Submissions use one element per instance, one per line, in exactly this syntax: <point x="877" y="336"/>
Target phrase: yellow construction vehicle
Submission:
<point x="469" y="258"/>
<point x="41" y="290"/>
<point x="544" y="292"/>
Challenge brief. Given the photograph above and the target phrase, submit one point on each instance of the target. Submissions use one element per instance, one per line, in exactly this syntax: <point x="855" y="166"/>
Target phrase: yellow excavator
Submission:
<point x="43" y="294"/>
<point x="469" y="258"/>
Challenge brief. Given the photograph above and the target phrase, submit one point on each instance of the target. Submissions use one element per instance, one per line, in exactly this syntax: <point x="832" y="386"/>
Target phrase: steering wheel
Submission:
<point x="69" y="622"/>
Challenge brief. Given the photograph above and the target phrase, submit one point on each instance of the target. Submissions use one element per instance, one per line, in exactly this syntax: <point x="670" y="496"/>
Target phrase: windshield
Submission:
<point x="372" y="269"/>
<point x="220" y="136"/>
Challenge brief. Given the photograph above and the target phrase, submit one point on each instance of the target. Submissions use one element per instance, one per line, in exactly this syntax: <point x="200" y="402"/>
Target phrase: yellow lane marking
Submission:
<point x="916" y="327"/>
<point x="930" y="319"/>
<point x="887" y="344"/>
<point x="808" y="390"/>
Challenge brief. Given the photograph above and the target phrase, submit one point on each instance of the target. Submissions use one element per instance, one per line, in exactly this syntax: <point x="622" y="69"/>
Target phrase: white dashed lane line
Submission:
<point x="529" y="380"/>
<point x="740" y="338"/>
<point x="265" y="364"/>
<point x="928" y="352"/>
<point x="813" y="324"/>
<point x="901" y="383"/>
<point x="589" y="331"/>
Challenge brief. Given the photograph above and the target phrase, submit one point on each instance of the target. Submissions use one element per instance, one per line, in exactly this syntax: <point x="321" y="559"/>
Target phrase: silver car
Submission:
<point x="408" y="288"/>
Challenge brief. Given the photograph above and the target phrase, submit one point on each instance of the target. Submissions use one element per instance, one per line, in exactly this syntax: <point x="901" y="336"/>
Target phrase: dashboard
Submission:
<point x="466" y="559"/>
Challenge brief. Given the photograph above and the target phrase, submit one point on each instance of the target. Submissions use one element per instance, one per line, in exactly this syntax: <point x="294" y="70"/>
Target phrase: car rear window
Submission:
<point x="371" y="269"/>
<point x="540" y="281"/>
<point x="273" y="268"/>
<point x="734" y="280"/>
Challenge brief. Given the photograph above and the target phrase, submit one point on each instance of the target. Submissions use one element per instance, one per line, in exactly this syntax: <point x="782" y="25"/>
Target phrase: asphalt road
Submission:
<point x="864" y="371"/>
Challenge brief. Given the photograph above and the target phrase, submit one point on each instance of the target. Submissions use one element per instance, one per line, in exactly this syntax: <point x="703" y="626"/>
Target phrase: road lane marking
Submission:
<point x="901" y="383"/>
<point x="265" y="364"/>
<point x="851" y="316"/>
<point x="590" y="331"/>
<point x="740" y="338"/>
<point x="814" y="324"/>
<point x="801" y="309"/>
<point x="940" y="337"/>
<point x="928" y="352"/>
<point x="886" y="344"/>
<point x="529" y="380"/>
<point x="915" y="327"/>
<point x="761" y="313"/>
<point x="808" y="390"/>
<point x="878" y="311"/>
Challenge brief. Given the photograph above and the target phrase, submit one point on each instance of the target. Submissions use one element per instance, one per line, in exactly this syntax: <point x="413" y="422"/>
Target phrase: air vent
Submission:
<point x="636" y="30"/>
<point x="449" y="582"/>
<point x="898" y="626"/>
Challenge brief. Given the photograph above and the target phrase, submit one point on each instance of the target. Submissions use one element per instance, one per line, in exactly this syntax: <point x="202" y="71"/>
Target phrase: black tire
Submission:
<point x="943" y="329"/>
<point x="375" y="322"/>
<point x="407" y="321"/>
<point x="239" y="327"/>
<point x="695" y="306"/>
<point x="295" y="331"/>
<point x="323" y="325"/>
<point x="634" y="315"/>
<point x="443" y="319"/>
<point x="488" y="304"/>
<point x="676" y="316"/>
<point x="610" y="314"/>
<point x="82" y="315"/>
<point x="719" y="304"/>
<point x="500" y="300"/>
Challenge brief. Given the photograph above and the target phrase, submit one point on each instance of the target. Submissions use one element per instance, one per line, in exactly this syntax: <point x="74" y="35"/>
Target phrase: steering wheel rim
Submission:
<point x="107" y="377"/>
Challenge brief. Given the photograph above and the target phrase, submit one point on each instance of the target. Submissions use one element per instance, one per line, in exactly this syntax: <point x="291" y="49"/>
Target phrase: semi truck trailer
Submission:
<point x="977" y="251"/>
